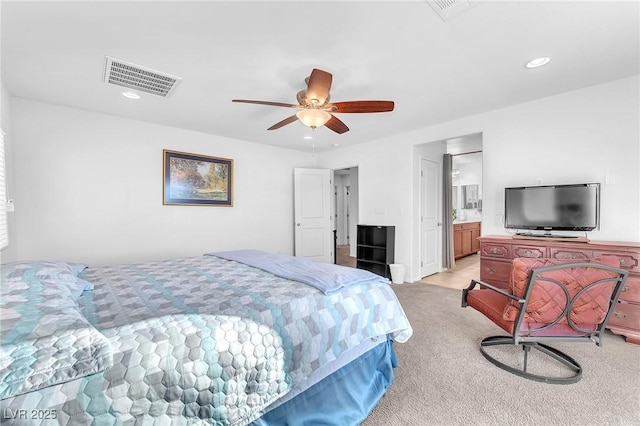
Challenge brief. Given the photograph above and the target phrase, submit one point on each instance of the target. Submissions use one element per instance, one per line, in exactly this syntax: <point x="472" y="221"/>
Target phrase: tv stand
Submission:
<point x="497" y="252"/>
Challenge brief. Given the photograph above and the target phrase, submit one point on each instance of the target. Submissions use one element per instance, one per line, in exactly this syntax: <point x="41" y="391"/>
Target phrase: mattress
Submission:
<point x="199" y="340"/>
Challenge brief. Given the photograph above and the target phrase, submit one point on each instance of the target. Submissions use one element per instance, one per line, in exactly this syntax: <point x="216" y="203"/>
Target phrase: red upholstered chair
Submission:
<point x="549" y="300"/>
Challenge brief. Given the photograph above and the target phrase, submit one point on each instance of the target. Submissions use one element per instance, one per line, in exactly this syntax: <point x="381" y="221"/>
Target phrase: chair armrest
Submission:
<point x="490" y="287"/>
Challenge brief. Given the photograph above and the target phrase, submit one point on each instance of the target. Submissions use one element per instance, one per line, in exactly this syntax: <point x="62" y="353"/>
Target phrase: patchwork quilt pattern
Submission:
<point x="44" y="337"/>
<point x="203" y="340"/>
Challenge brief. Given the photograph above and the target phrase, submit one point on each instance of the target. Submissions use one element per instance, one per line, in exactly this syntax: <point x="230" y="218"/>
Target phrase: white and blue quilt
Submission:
<point x="200" y="340"/>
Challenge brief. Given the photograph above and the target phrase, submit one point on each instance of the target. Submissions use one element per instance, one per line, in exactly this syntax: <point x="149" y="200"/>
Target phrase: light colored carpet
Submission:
<point x="443" y="379"/>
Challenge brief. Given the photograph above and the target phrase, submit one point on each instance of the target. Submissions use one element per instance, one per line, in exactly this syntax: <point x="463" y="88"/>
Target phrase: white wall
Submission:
<point x="5" y="124"/>
<point x="379" y="167"/>
<point x="88" y="188"/>
<point x="579" y="136"/>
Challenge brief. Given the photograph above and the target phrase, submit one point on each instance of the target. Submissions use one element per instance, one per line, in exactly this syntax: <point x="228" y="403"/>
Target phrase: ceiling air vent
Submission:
<point x="140" y="78"/>
<point x="448" y="9"/>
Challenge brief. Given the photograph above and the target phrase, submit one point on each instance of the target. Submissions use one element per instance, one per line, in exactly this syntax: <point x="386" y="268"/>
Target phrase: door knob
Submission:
<point x="298" y="224"/>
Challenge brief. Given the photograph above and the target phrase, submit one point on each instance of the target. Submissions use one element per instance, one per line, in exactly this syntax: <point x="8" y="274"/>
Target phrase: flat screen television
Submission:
<point x="573" y="207"/>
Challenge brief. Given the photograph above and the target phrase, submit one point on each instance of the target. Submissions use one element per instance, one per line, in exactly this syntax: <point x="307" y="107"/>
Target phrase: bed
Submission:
<point x="232" y="338"/>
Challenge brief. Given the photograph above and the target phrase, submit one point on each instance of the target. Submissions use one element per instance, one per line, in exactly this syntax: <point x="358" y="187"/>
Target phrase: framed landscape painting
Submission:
<point x="197" y="180"/>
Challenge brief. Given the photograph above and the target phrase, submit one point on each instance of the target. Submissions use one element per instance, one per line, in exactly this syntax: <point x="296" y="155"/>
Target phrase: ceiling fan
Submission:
<point x="314" y="108"/>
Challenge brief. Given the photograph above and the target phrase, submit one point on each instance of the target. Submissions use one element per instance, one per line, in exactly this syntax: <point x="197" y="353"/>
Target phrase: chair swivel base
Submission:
<point x="559" y="356"/>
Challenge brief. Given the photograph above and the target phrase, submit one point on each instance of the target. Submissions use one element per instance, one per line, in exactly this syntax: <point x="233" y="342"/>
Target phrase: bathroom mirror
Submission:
<point x="470" y="196"/>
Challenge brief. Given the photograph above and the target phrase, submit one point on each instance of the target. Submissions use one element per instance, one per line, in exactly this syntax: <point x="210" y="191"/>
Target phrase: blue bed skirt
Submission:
<point x="343" y="398"/>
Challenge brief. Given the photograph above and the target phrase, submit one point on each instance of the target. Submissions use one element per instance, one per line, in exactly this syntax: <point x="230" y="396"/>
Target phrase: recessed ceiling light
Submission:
<point x="130" y="95"/>
<point x="308" y="137"/>
<point x="335" y="145"/>
<point x="538" y="62"/>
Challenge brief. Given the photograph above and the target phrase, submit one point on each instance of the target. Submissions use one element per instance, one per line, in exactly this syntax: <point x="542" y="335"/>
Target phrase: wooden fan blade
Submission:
<point x="361" y="106"/>
<point x="280" y="104"/>
<point x="318" y="86"/>
<point x="336" y="125"/>
<point x="284" y="122"/>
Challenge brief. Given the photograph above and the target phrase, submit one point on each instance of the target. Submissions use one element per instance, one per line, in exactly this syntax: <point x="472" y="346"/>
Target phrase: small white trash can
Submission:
<point x="397" y="273"/>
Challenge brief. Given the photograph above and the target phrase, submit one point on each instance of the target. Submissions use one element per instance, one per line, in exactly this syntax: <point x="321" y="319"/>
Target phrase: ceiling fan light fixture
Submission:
<point x="313" y="118"/>
<point x="314" y="110"/>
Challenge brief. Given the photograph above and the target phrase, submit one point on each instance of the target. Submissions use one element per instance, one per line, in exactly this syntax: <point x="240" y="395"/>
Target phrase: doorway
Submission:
<point x="467" y="194"/>
<point x="312" y="214"/>
<point x="345" y="211"/>
<point x="424" y="250"/>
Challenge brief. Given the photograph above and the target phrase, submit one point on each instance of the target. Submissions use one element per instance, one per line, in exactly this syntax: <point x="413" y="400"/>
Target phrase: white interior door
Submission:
<point x="429" y="224"/>
<point x="312" y="214"/>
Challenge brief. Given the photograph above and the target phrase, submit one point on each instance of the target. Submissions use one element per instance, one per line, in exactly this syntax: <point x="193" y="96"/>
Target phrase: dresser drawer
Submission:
<point x="631" y="290"/>
<point x="628" y="261"/>
<point x="495" y="272"/>
<point x="495" y="250"/>
<point x="529" y="251"/>
<point x="625" y="315"/>
<point x="570" y="254"/>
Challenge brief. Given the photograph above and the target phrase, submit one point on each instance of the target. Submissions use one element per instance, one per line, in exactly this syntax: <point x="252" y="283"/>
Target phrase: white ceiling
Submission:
<point x="435" y="71"/>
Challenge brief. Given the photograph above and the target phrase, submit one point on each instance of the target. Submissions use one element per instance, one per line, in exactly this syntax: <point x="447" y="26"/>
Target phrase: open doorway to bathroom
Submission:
<point x="345" y="184"/>
<point x="467" y="190"/>
<point x="468" y="172"/>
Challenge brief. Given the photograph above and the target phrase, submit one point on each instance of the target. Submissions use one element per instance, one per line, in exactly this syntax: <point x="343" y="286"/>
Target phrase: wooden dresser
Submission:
<point x="496" y="253"/>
